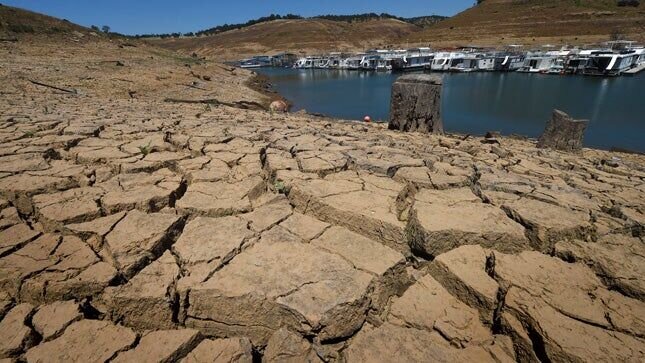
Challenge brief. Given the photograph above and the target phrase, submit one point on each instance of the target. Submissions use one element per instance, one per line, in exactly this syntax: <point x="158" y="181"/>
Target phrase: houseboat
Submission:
<point x="486" y="63"/>
<point x="508" y="63"/>
<point x="284" y="60"/>
<point x="442" y="61"/>
<point x="463" y="63"/>
<point x="611" y="64"/>
<point x="256" y="62"/>
<point x="352" y="63"/>
<point x="537" y="63"/>
<point x="413" y="60"/>
<point x="310" y="63"/>
<point x="577" y="63"/>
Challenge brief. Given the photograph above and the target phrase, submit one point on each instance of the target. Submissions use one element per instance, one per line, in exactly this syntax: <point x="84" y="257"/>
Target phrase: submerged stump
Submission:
<point x="416" y="104"/>
<point x="563" y="133"/>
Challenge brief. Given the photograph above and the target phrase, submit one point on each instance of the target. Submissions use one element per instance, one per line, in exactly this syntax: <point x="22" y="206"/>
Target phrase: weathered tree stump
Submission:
<point x="416" y="104"/>
<point x="563" y="133"/>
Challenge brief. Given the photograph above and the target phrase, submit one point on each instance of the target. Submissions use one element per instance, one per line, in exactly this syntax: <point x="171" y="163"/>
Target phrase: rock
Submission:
<point x="162" y="346"/>
<point x="280" y="284"/>
<point x="148" y="300"/>
<point x="568" y="339"/>
<point x="364" y="253"/>
<point x="462" y="271"/>
<point x="491" y="138"/>
<point x="443" y="220"/>
<point x="548" y="223"/>
<point x="391" y="343"/>
<point x="562" y="306"/>
<point x="617" y="259"/>
<point x="268" y="215"/>
<point x="426" y="305"/>
<point x="54" y="268"/>
<point x="304" y="226"/>
<point x="5" y="305"/>
<point x="563" y="133"/>
<point x="52" y="319"/>
<point x="221" y="198"/>
<point x="206" y="244"/>
<point x="371" y="213"/>
<point x="286" y="346"/>
<point x="416" y="104"/>
<point x="16" y="237"/>
<point x="91" y="340"/>
<point x="15" y="335"/>
<point x="278" y="106"/>
<point x="139" y="238"/>
<point x="233" y="350"/>
<point x="71" y="206"/>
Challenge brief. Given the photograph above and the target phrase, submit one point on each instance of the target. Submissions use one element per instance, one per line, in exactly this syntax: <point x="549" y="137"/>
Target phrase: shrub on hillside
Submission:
<point x="634" y="3"/>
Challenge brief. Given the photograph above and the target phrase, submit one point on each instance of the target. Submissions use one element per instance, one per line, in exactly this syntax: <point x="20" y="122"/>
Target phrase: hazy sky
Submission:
<point x="166" y="16"/>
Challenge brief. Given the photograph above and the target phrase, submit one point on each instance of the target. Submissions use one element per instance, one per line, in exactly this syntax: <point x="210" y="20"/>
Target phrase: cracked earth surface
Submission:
<point x="141" y="230"/>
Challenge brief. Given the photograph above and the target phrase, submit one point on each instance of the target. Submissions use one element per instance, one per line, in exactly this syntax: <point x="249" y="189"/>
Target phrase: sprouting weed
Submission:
<point x="145" y="150"/>
<point x="280" y="187"/>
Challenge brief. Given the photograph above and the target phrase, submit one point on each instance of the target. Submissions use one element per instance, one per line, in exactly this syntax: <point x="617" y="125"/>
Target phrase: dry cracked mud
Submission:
<point x="133" y="229"/>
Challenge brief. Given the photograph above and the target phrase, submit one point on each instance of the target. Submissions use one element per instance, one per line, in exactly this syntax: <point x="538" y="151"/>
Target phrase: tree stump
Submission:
<point x="416" y="104"/>
<point x="563" y="133"/>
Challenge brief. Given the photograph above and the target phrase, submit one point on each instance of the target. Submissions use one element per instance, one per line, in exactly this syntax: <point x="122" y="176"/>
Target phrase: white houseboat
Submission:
<point x="442" y="61"/>
<point x="537" y="63"/>
<point x="611" y="64"/>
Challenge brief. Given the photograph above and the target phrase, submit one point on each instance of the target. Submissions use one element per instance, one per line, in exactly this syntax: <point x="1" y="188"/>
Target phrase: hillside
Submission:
<point x="14" y="21"/>
<point x="295" y="35"/>
<point x="499" y="22"/>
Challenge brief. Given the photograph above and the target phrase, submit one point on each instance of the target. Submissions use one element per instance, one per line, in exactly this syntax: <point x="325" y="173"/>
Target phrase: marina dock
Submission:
<point x="610" y="59"/>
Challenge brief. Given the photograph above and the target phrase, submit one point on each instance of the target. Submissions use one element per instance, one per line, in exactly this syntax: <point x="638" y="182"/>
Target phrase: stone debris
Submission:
<point x="443" y="220"/>
<point x="233" y="350"/>
<point x="148" y="300"/>
<point x="162" y="346"/>
<point x="133" y="229"/>
<point x="51" y="320"/>
<point x="93" y="341"/>
<point x="15" y="334"/>
<point x="285" y="346"/>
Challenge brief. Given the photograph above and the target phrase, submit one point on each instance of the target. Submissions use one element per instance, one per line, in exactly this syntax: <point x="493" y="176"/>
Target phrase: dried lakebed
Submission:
<point x="138" y="230"/>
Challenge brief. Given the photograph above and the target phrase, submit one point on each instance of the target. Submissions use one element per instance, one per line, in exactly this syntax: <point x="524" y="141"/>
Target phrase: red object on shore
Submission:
<point x="367" y="119"/>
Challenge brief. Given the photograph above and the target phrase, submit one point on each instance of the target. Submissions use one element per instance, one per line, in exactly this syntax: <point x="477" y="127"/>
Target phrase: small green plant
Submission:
<point x="145" y="149"/>
<point x="29" y="134"/>
<point x="280" y="187"/>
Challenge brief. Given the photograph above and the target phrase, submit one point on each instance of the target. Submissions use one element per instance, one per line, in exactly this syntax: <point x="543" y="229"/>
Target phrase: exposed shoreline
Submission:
<point x="262" y="84"/>
<point x="219" y="230"/>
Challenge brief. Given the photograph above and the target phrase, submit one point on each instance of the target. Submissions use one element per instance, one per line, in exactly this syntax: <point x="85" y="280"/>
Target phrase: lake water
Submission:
<point x="474" y="103"/>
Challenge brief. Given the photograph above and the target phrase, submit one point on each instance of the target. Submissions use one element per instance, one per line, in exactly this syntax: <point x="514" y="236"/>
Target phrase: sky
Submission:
<point x="167" y="16"/>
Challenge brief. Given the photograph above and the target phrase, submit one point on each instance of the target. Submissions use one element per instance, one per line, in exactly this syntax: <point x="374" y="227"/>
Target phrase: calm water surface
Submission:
<point x="478" y="102"/>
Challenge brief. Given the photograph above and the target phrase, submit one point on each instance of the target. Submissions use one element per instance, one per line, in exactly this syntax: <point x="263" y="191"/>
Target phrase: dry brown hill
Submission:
<point x="15" y="21"/>
<point x="300" y="35"/>
<point x="499" y="22"/>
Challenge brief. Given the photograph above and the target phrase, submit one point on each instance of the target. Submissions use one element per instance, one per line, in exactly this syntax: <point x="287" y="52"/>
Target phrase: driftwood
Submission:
<point x="73" y="91"/>
<point x="245" y="105"/>
<point x="193" y="86"/>
<point x="211" y="101"/>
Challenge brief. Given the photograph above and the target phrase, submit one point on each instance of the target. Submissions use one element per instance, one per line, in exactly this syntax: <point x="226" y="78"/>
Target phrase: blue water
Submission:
<point x="474" y="103"/>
